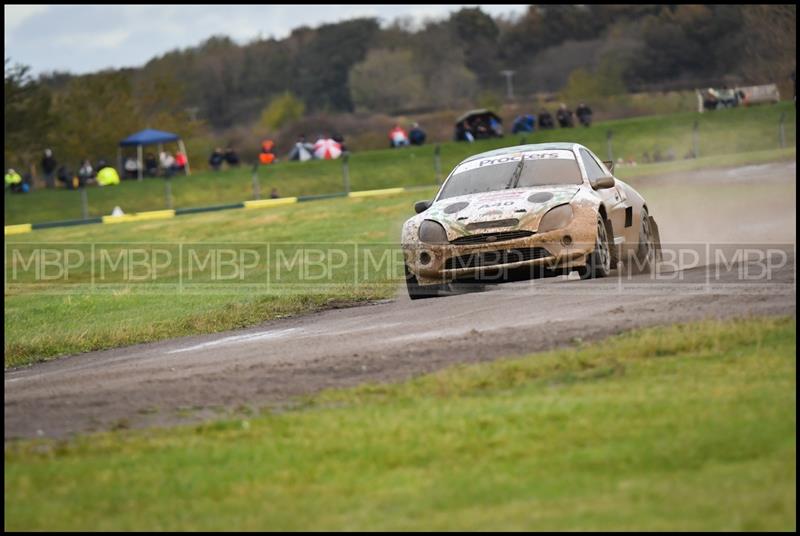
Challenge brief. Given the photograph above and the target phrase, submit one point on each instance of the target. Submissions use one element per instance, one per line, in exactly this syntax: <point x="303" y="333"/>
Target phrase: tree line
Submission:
<point x="360" y="66"/>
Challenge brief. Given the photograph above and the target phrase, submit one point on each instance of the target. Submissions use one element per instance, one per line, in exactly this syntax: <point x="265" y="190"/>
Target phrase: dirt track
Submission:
<point x="193" y="378"/>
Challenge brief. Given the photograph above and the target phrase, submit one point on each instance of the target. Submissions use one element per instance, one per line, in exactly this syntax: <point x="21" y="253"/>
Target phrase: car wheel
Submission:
<point x="647" y="249"/>
<point x="599" y="262"/>
<point x="419" y="292"/>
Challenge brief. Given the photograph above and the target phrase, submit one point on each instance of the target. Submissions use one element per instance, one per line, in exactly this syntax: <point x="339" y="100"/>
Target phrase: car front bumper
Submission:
<point x="565" y="248"/>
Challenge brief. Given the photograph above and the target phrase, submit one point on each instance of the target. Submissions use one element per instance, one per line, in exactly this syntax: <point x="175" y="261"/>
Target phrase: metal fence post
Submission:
<point x="84" y="203"/>
<point x="696" y="139"/>
<point x="168" y="191"/>
<point x="781" y="130"/>
<point x="609" y="135"/>
<point x="437" y="163"/>
<point x="256" y="184"/>
<point x="346" y="172"/>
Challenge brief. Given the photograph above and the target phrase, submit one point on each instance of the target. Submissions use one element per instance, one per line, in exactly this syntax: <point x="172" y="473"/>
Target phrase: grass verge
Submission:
<point x="73" y="316"/>
<point x="689" y="427"/>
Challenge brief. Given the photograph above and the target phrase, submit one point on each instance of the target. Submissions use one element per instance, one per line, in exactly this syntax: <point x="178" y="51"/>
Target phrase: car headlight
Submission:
<point x="556" y="218"/>
<point x="431" y="232"/>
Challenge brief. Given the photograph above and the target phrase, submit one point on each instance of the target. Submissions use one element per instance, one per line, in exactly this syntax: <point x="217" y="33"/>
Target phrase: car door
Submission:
<point x="614" y="198"/>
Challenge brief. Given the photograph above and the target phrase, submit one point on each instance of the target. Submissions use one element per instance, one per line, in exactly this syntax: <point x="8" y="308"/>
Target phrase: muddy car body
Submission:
<point x="546" y="209"/>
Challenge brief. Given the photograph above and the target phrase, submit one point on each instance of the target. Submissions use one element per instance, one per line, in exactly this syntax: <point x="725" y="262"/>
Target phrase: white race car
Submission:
<point x="545" y="209"/>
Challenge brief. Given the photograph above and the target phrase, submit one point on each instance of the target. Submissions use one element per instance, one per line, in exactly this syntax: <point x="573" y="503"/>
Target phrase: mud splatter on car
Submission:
<point x="547" y="208"/>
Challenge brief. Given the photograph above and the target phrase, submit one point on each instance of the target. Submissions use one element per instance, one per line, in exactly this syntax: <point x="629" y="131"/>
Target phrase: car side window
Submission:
<point x="593" y="170"/>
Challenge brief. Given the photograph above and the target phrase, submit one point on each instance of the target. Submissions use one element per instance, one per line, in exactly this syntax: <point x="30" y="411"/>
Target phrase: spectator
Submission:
<point x="27" y="181"/>
<point x="15" y="183"/>
<point x="564" y="116"/>
<point x="167" y="162"/>
<point x="49" y="165"/>
<point x="67" y="177"/>
<point x="131" y="168"/>
<point x="338" y="138"/>
<point x="495" y="128"/>
<point x="524" y="123"/>
<point x="85" y="173"/>
<point x="302" y="150"/>
<point x="150" y="165"/>
<point x="480" y="130"/>
<point x="231" y="157"/>
<point x="216" y="159"/>
<point x="464" y="132"/>
<point x="710" y="99"/>
<point x="274" y="193"/>
<point x="416" y="136"/>
<point x="398" y="137"/>
<point x="545" y="120"/>
<point x="267" y="155"/>
<point x="584" y="114"/>
<point x="107" y="176"/>
<point x="727" y="97"/>
<point x="181" y="161"/>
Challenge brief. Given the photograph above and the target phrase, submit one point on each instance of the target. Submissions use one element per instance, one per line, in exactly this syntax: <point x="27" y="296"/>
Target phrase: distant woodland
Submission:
<point x="362" y="67"/>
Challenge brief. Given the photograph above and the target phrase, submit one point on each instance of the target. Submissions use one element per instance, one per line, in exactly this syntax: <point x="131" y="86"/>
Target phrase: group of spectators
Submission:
<point x="478" y="128"/>
<point x="99" y="173"/>
<point x="326" y="147"/>
<point x="16" y="183"/>
<point x="564" y="117"/>
<point x="721" y="98"/>
<point x="398" y="137"/>
<point x="166" y="165"/>
<point x="229" y="156"/>
<point x="302" y="151"/>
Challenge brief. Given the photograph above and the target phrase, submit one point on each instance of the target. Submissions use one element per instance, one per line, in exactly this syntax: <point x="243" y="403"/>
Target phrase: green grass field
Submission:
<point x="79" y="319"/>
<point x="724" y="132"/>
<point x="679" y="428"/>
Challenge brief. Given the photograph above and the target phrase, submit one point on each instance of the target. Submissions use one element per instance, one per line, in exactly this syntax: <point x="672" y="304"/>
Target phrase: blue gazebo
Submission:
<point x="151" y="136"/>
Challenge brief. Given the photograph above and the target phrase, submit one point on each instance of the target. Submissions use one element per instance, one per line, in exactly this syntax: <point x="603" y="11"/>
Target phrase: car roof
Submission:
<point x="529" y="147"/>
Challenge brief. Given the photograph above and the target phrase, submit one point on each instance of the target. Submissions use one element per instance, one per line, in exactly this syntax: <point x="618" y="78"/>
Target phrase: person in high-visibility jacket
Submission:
<point x="107" y="176"/>
<point x="14" y="181"/>
<point x="267" y="155"/>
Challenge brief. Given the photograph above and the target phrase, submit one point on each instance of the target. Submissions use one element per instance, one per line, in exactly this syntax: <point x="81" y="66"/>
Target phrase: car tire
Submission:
<point x="419" y="292"/>
<point x="647" y="250"/>
<point x="598" y="264"/>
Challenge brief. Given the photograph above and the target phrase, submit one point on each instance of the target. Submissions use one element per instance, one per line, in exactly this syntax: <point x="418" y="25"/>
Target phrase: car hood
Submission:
<point x="482" y="211"/>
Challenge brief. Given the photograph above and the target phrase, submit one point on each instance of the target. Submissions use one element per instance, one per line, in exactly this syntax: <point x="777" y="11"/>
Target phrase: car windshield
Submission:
<point x="539" y="168"/>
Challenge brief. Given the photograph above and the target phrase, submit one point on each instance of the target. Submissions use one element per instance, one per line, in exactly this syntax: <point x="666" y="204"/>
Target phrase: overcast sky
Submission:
<point x="83" y="39"/>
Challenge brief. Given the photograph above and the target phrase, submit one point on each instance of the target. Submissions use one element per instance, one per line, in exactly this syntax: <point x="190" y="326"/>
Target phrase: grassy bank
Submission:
<point x="680" y="428"/>
<point x="78" y="317"/>
<point x="724" y="132"/>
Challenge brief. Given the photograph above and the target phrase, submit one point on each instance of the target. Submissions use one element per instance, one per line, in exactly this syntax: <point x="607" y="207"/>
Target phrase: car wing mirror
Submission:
<point x="600" y="183"/>
<point x="609" y="164"/>
<point x="422" y="206"/>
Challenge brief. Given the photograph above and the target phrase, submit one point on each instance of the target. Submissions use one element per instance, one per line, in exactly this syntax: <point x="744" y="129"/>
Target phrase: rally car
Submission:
<point x="544" y="209"/>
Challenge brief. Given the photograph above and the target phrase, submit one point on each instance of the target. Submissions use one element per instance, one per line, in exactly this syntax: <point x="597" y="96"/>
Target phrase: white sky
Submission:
<point x="83" y="39"/>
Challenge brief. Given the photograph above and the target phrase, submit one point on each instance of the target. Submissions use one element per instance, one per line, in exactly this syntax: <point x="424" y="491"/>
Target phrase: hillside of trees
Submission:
<point x="220" y="92"/>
